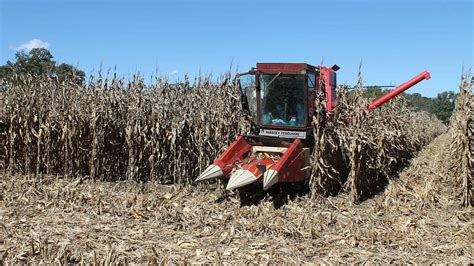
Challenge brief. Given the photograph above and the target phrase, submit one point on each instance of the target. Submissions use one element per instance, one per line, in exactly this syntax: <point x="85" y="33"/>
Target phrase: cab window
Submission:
<point x="282" y="99"/>
<point x="249" y="89"/>
<point x="311" y="82"/>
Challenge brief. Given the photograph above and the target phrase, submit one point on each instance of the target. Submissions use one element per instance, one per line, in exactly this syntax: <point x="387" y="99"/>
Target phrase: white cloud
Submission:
<point x="31" y="44"/>
<point x="174" y="72"/>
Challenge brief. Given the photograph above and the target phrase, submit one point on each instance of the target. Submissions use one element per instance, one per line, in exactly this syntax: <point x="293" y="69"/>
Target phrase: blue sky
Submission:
<point x="395" y="40"/>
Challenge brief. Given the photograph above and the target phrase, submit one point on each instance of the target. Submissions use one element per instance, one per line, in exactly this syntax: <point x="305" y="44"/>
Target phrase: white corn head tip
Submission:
<point x="212" y="171"/>
<point x="270" y="178"/>
<point x="240" y="178"/>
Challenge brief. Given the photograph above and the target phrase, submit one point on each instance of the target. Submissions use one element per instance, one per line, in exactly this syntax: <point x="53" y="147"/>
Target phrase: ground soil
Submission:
<point x="416" y="219"/>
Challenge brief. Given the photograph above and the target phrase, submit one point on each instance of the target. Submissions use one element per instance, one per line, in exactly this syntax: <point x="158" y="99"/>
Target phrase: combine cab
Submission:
<point x="280" y="99"/>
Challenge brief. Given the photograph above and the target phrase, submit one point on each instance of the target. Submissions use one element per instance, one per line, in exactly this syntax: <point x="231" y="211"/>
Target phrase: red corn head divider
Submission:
<point x="248" y="162"/>
<point x="235" y="153"/>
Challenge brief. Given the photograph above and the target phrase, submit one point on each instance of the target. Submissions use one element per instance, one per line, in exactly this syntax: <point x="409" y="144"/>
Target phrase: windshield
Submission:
<point x="282" y="100"/>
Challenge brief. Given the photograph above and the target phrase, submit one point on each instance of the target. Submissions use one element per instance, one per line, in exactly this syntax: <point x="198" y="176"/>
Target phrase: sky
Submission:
<point x="393" y="40"/>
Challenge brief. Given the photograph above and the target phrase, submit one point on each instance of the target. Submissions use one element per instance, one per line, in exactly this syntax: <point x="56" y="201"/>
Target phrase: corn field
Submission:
<point x="409" y="175"/>
<point x="114" y="129"/>
<point x="363" y="154"/>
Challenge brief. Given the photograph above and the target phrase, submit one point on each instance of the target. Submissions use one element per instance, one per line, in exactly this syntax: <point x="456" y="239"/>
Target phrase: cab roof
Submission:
<point x="286" y="68"/>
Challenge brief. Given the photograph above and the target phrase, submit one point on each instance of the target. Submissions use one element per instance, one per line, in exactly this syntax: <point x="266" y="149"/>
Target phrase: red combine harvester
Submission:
<point x="280" y="99"/>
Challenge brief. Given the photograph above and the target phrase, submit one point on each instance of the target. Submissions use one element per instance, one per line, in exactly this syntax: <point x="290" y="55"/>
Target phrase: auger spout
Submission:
<point x="405" y="86"/>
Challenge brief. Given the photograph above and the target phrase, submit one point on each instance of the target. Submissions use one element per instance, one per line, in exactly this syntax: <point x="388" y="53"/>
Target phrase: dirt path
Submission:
<point x="81" y="221"/>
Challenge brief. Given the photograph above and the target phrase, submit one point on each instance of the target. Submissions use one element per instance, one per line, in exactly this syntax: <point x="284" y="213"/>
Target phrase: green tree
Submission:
<point x="443" y="105"/>
<point x="68" y="72"/>
<point x="6" y="70"/>
<point x="419" y="102"/>
<point x="39" y="63"/>
<point x="374" y="92"/>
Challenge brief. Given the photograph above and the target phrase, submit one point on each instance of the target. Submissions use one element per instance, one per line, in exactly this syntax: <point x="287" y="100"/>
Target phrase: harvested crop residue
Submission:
<point x="72" y="221"/>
